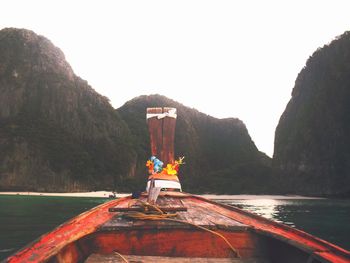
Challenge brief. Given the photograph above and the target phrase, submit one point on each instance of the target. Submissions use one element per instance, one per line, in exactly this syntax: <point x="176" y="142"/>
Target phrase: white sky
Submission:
<point x="224" y="58"/>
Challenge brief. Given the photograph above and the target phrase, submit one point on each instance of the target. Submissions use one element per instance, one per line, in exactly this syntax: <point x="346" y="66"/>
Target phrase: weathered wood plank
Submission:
<point x="140" y="209"/>
<point x="208" y="216"/>
<point x="187" y="211"/>
<point x="169" y="202"/>
<point x="155" y="128"/>
<point x="116" y="223"/>
<point x="162" y="132"/>
<point x="114" y="258"/>
<point x="169" y="123"/>
<point x="153" y="193"/>
<point x="175" y="242"/>
<point x="209" y="211"/>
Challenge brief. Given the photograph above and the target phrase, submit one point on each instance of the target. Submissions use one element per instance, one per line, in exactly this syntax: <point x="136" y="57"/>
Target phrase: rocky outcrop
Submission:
<point x="220" y="155"/>
<point x="56" y="132"/>
<point x="312" y="143"/>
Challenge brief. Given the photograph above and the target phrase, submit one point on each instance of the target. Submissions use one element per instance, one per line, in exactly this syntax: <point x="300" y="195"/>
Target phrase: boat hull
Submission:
<point x="104" y="231"/>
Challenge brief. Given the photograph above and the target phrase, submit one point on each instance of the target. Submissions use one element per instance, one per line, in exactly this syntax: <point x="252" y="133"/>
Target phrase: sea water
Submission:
<point x="25" y="218"/>
<point x="328" y="219"/>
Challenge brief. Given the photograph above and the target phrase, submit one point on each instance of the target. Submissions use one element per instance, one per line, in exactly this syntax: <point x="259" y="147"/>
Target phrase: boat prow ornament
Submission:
<point x="161" y="125"/>
<point x="164" y="178"/>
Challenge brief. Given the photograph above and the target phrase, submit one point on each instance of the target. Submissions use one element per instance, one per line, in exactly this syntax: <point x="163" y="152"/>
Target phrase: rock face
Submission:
<point x="312" y="142"/>
<point x="56" y="132"/>
<point x="220" y="155"/>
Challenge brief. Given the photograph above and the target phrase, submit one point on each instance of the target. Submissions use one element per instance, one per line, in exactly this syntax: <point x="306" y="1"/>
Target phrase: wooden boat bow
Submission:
<point x="200" y="230"/>
<point x="100" y="231"/>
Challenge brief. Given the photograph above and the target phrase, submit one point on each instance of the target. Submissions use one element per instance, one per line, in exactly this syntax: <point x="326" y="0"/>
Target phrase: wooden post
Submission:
<point x="161" y="126"/>
<point x="155" y="129"/>
<point x="169" y="123"/>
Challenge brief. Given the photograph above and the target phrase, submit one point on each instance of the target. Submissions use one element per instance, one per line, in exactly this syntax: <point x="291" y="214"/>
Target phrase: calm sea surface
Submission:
<point x="24" y="218"/>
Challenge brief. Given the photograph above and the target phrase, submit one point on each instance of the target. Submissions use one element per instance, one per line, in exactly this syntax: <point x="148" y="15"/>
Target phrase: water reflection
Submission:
<point x="325" y="218"/>
<point x="264" y="207"/>
<point x="269" y="208"/>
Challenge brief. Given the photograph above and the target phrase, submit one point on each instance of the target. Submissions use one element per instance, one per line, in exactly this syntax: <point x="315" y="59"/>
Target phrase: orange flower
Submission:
<point x="150" y="166"/>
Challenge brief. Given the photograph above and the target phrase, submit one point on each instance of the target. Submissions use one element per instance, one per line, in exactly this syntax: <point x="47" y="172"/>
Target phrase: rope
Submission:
<point x="153" y="212"/>
<point x="122" y="257"/>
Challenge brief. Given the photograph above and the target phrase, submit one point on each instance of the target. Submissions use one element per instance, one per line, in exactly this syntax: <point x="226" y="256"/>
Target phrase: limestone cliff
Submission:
<point x="312" y="143"/>
<point x="56" y="132"/>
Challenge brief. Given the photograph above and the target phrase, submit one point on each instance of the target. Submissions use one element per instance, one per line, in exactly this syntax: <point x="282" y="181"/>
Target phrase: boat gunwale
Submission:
<point x="80" y="217"/>
<point x="307" y="242"/>
<point x="331" y="247"/>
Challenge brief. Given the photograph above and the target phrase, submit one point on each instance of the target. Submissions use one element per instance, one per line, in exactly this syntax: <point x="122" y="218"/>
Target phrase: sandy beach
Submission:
<point x="246" y="197"/>
<point x="106" y="194"/>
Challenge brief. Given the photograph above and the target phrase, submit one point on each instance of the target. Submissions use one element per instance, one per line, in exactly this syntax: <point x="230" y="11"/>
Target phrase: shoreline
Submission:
<point x="103" y="194"/>
<point x="106" y="194"/>
<point x="248" y="196"/>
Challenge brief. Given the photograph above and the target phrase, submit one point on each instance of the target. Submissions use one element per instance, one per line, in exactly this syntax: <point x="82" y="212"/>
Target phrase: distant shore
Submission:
<point x="246" y="196"/>
<point x="106" y="194"/>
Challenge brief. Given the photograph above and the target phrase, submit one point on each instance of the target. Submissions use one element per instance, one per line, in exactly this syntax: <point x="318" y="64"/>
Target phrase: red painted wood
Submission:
<point x="331" y="257"/>
<point x="77" y="238"/>
<point x="70" y="253"/>
<point x="51" y="243"/>
<point x="167" y="154"/>
<point x="301" y="239"/>
<point x="162" y="134"/>
<point x="174" y="242"/>
<point x="155" y="128"/>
